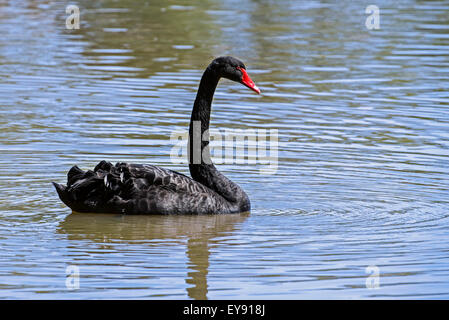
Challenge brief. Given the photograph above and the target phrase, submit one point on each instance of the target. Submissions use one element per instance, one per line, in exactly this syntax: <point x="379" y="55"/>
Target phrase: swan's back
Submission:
<point x="138" y="189"/>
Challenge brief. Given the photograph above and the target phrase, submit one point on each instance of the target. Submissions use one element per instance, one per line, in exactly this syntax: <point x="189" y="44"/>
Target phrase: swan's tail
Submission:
<point x="61" y="189"/>
<point x="93" y="191"/>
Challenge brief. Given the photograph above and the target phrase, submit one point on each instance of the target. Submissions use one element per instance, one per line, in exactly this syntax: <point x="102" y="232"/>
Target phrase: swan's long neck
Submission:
<point x="200" y="165"/>
<point x="199" y="121"/>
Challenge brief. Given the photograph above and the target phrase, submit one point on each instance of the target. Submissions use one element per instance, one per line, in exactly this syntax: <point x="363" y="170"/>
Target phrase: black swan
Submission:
<point x="147" y="189"/>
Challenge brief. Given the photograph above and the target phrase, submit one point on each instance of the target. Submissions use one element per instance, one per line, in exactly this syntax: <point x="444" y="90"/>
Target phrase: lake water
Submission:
<point x="358" y="206"/>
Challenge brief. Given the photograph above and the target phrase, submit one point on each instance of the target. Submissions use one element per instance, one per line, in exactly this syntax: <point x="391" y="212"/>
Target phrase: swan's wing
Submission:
<point x="136" y="189"/>
<point x="147" y="176"/>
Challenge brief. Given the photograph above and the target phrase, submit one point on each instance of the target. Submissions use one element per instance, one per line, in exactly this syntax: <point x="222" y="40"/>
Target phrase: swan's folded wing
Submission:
<point x="149" y="176"/>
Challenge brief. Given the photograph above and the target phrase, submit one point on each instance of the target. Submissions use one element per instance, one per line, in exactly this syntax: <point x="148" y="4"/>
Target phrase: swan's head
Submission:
<point x="233" y="69"/>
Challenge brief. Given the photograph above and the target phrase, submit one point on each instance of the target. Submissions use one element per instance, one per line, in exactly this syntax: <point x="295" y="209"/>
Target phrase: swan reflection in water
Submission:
<point x="200" y="231"/>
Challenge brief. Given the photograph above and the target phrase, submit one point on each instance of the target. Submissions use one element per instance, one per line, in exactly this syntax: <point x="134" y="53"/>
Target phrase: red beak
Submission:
<point x="246" y="80"/>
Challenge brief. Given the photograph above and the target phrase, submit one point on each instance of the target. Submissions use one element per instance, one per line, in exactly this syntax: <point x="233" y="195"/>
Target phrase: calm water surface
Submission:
<point x="363" y="164"/>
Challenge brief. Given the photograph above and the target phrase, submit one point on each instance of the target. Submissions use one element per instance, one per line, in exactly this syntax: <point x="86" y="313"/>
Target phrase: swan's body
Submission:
<point x="147" y="189"/>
